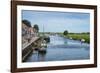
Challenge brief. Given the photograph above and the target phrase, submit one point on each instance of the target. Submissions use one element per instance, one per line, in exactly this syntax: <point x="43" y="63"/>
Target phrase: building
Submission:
<point x="26" y="33"/>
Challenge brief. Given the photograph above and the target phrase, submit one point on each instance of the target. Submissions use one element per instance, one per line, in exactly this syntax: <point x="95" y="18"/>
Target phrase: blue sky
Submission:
<point x="58" y="21"/>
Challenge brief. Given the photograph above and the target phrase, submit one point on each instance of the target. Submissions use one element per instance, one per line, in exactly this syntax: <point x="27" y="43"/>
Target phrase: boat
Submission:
<point x="43" y="43"/>
<point x="43" y="46"/>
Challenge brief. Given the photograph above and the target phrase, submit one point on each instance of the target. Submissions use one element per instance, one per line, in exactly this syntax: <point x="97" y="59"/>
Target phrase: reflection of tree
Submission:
<point x="41" y="56"/>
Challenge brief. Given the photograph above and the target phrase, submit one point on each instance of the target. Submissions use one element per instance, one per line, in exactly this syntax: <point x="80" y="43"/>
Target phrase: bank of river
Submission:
<point x="60" y="49"/>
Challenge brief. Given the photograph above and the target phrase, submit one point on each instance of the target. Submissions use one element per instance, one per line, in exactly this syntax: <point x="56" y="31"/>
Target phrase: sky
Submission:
<point x="58" y="21"/>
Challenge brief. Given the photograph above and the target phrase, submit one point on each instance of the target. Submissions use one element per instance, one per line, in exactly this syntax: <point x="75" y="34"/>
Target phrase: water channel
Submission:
<point x="60" y="49"/>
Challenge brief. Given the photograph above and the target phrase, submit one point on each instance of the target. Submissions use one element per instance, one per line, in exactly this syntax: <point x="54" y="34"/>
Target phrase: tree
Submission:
<point x="65" y="32"/>
<point x="26" y="22"/>
<point x="36" y="27"/>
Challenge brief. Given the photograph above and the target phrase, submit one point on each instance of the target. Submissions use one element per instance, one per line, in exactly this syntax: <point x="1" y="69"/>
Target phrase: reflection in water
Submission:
<point x="41" y="56"/>
<point x="61" y="48"/>
<point x="65" y="41"/>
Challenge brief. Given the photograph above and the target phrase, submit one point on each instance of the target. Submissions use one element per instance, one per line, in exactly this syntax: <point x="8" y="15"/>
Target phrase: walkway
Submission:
<point x="28" y="43"/>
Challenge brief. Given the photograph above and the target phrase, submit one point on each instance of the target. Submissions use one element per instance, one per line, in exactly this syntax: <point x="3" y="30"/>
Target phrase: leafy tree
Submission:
<point x="26" y="22"/>
<point x="36" y="27"/>
<point x="65" y="32"/>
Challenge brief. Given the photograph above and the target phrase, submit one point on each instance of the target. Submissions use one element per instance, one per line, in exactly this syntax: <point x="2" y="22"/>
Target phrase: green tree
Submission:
<point x="27" y="23"/>
<point x="36" y="27"/>
<point x="65" y="32"/>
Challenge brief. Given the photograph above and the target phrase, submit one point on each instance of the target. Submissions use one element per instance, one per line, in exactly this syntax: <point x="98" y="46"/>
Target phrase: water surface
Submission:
<point x="60" y="49"/>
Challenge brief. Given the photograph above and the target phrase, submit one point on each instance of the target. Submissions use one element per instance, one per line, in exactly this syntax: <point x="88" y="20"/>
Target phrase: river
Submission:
<point x="60" y="49"/>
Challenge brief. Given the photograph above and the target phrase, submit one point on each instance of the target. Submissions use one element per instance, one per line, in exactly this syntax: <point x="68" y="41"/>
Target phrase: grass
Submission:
<point x="75" y="36"/>
<point x="79" y="36"/>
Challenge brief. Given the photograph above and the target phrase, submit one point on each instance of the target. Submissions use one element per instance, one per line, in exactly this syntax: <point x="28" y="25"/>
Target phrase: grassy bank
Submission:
<point x="78" y="36"/>
<point x="74" y="36"/>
